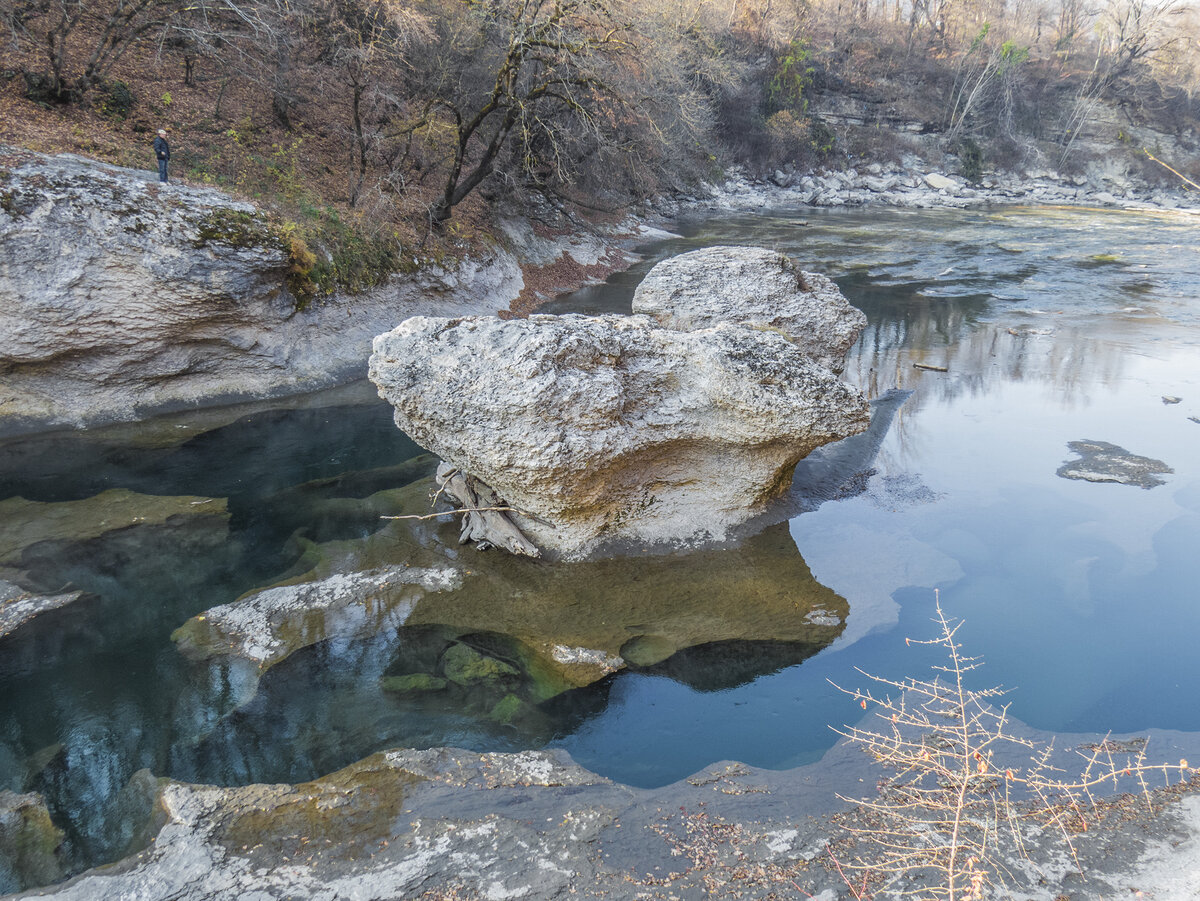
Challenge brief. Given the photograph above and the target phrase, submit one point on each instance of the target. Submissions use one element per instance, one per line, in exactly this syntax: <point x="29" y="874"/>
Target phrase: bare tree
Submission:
<point x="364" y="43"/>
<point x="545" y="60"/>
<point x="81" y="40"/>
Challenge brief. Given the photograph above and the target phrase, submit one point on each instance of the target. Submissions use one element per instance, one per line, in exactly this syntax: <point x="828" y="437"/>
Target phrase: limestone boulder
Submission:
<point x="755" y="286"/>
<point x="614" y="428"/>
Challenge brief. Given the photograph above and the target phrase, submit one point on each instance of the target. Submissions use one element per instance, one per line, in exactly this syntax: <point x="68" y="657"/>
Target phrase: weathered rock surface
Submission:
<point x="17" y="606"/>
<point x="611" y="428"/>
<point x="402" y="823"/>
<point x="120" y="297"/>
<point x="757" y="287"/>
<point x="1101" y="461"/>
<point x="448" y="824"/>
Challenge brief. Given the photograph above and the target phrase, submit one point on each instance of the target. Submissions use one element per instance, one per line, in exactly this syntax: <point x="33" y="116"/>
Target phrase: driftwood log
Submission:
<point x="483" y="522"/>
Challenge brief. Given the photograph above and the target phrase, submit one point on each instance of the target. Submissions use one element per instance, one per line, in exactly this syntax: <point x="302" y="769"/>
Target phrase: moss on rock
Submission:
<point x="413" y="684"/>
<point x="29" y="843"/>
<point x="466" y="666"/>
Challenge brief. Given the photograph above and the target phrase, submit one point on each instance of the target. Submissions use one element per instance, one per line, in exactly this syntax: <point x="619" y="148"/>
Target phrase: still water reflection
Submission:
<point x="1053" y="325"/>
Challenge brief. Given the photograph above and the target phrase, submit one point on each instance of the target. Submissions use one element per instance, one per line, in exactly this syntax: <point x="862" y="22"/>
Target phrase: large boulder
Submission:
<point x="612" y="428"/>
<point x="757" y="287"/>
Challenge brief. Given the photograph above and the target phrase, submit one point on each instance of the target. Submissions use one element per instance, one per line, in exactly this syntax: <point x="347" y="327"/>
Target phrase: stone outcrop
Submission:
<point x="1100" y="461"/>
<point x="120" y="297"/>
<point x="29" y="842"/>
<point x="613" y="428"/>
<point x="446" y="823"/>
<point x="18" y="607"/>
<point x="757" y="287"/>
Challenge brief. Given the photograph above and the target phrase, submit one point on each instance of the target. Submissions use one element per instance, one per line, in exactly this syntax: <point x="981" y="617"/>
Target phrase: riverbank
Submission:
<point x="126" y="299"/>
<point x="917" y="185"/>
<point x="449" y="824"/>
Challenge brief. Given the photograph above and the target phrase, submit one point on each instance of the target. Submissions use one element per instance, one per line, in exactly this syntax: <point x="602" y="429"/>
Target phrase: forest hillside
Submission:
<point x="371" y="126"/>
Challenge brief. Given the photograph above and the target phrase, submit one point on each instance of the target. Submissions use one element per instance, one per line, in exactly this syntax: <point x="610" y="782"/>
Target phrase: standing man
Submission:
<point x="162" y="150"/>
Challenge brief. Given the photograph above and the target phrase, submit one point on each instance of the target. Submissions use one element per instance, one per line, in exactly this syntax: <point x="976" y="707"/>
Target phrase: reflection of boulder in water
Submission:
<point x="575" y="617"/>
<point x="720" y="665"/>
<point x="842" y="469"/>
<point x="759" y="590"/>
<point x="1103" y="462"/>
<point x="521" y="651"/>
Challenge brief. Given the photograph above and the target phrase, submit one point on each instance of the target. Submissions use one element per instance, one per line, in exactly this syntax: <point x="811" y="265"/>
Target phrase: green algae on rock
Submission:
<point x="24" y="523"/>
<point x="413" y="684"/>
<point x="29" y="843"/>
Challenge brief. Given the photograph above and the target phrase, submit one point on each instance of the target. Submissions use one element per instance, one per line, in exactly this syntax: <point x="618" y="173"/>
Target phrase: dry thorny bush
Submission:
<point x="964" y="795"/>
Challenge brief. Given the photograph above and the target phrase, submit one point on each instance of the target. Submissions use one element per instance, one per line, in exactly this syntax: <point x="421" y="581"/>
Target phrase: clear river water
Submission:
<point x="1053" y="326"/>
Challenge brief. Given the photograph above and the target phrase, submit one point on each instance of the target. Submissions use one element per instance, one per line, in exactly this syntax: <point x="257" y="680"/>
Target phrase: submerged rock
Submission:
<point x="613" y="429"/>
<point x="18" y="607"/>
<point x="757" y="287"/>
<point x="579" y="621"/>
<point x="269" y="625"/>
<point x="24" y="523"/>
<point x="1103" y="462"/>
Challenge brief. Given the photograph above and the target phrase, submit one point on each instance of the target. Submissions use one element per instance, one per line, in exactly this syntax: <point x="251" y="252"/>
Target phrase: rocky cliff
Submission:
<point x="121" y="297"/>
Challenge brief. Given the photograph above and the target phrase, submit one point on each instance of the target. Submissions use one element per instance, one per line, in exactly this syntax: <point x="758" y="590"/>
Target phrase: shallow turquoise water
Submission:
<point x="1054" y="325"/>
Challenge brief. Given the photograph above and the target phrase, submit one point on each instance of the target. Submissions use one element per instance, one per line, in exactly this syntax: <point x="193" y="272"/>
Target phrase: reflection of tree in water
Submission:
<point x="979" y="357"/>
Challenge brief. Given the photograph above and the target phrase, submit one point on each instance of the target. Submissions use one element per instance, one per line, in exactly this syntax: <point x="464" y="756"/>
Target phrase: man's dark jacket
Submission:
<point x="162" y="149"/>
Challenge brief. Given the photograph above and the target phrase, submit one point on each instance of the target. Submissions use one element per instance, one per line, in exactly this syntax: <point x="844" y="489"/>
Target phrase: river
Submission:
<point x="1053" y="326"/>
